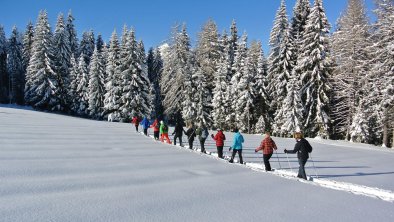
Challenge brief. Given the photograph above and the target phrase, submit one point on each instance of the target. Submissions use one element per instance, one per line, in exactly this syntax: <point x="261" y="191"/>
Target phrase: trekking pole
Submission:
<point x="313" y="162"/>
<point x="277" y="156"/>
<point x="287" y="156"/>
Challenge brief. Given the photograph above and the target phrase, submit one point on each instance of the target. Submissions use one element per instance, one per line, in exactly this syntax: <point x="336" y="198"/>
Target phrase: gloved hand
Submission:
<point x="229" y="149"/>
<point x="255" y="151"/>
<point x="285" y="151"/>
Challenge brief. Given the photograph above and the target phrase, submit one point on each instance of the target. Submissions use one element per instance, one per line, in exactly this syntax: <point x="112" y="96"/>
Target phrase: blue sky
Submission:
<point x="153" y="19"/>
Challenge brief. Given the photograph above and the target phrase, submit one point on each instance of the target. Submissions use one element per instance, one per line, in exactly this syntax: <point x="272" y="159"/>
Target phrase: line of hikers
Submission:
<point x="267" y="146"/>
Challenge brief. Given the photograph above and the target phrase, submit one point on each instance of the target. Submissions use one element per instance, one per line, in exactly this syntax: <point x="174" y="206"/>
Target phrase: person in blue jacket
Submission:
<point x="145" y="125"/>
<point x="237" y="146"/>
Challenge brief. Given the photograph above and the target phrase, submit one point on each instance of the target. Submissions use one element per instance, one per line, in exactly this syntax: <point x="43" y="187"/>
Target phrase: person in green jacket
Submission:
<point x="164" y="132"/>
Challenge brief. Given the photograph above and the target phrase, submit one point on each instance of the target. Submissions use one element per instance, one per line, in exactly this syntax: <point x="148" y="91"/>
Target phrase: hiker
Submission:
<point x="145" y="125"/>
<point x="178" y="131"/>
<point x="136" y="122"/>
<point x="267" y="145"/>
<point x="237" y="146"/>
<point x="202" y="133"/>
<point x="164" y="132"/>
<point x="219" y="138"/>
<point x="190" y="133"/>
<point x="156" y="129"/>
<point x="302" y="148"/>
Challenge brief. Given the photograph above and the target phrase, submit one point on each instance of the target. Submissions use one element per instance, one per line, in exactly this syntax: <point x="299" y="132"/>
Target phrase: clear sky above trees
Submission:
<point x="153" y="19"/>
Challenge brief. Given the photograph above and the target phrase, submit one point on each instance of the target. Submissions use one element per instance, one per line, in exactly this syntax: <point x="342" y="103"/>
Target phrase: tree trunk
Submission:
<point x="385" y="134"/>
<point x="385" y="130"/>
<point x="392" y="144"/>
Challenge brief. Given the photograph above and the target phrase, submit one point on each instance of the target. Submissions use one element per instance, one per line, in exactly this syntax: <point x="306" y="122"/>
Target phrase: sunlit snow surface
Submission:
<point x="61" y="168"/>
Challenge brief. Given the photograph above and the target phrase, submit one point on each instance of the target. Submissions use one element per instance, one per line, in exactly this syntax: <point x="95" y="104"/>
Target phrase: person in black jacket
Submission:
<point x="178" y="131"/>
<point x="302" y="148"/>
<point x="190" y="133"/>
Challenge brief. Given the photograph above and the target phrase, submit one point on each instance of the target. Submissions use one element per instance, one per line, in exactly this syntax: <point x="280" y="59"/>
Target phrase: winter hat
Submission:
<point x="161" y="122"/>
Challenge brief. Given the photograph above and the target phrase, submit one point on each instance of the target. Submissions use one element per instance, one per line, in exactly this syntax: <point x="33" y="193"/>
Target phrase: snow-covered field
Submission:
<point x="61" y="168"/>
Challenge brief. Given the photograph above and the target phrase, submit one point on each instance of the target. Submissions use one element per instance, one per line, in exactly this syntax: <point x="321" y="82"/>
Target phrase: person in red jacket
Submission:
<point x="219" y="138"/>
<point x="136" y="122"/>
<point x="267" y="145"/>
<point x="156" y="129"/>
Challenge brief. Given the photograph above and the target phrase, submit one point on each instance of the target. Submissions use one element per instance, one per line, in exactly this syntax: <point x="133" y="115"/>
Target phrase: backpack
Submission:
<point x="204" y="133"/>
<point x="165" y="128"/>
<point x="308" y="146"/>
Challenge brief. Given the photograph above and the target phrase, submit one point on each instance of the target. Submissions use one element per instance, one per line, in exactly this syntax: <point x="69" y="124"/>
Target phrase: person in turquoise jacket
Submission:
<point x="237" y="146"/>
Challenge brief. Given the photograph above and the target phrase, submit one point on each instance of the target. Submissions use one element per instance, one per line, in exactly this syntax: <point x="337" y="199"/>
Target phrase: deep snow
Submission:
<point x="61" y="168"/>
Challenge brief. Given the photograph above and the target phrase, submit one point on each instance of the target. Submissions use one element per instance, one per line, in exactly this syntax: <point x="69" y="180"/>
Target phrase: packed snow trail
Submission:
<point x="385" y="195"/>
<point x="61" y="168"/>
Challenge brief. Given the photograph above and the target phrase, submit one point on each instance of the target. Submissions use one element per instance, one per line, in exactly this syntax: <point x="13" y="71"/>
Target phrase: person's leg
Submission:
<point x="191" y="143"/>
<point x="180" y="140"/>
<point x="175" y="139"/>
<point x="168" y="138"/>
<point x="146" y="131"/>
<point x="202" y="141"/>
<point x="267" y="164"/>
<point x="233" y="155"/>
<point x="301" y="170"/>
<point x="156" y="133"/>
<point x="162" y="137"/>
<point x="240" y="157"/>
<point x="220" y="151"/>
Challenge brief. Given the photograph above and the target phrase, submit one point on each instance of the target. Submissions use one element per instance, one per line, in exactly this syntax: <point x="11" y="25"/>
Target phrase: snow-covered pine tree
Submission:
<point x="245" y="103"/>
<point x="27" y="45"/>
<point x="285" y="67"/>
<point x="207" y="58"/>
<point x="87" y="45"/>
<point x="232" y="92"/>
<point x="176" y="65"/>
<point x="262" y="98"/>
<point x="276" y="71"/>
<point x="301" y="11"/>
<point x="15" y="68"/>
<point x="72" y="34"/>
<point x="62" y="51"/>
<point x="134" y="81"/>
<point x="202" y="97"/>
<point x="189" y="103"/>
<point x="233" y="45"/>
<point x="219" y="103"/>
<point x="292" y="109"/>
<point x="315" y="65"/>
<point x="82" y="92"/>
<point x="99" y="43"/>
<point x="144" y="89"/>
<point x="41" y="94"/>
<point x="4" y="80"/>
<point x="74" y="81"/>
<point x="96" y="85"/>
<point x="112" y="83"/>
<point x="350" y="45"/>
<point x="257" y="67"/>
<point x="155" y="68"/>
<point x="382" y="73"/>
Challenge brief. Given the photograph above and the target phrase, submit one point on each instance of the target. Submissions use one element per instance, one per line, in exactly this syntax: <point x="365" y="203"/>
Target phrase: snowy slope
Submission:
<point x="60" y="168"/>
